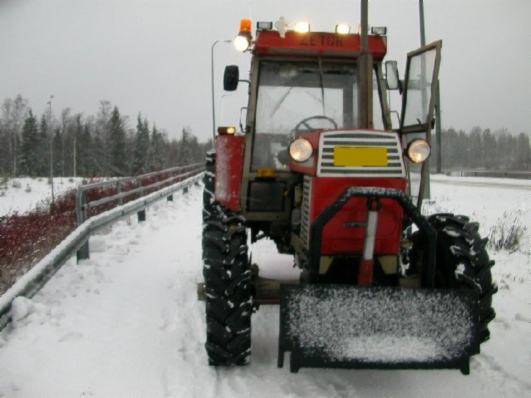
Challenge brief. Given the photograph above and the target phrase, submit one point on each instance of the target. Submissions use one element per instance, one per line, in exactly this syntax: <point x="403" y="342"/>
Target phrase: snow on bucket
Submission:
<point x="379" y="327"/>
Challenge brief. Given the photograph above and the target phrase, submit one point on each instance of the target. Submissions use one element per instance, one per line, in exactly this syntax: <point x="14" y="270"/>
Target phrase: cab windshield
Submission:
<point x="303" y="96"/>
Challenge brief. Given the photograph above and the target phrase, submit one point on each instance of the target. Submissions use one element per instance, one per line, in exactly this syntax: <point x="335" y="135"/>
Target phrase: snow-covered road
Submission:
<point x="126" y="323"/>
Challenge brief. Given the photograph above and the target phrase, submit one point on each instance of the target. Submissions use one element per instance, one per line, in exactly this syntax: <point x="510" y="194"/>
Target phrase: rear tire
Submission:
<point x="227" y="275"/>
<point x="463" y="262"/>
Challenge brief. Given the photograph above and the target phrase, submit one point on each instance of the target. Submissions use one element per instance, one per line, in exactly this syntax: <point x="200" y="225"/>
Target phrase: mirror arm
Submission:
<point x="241" y="123"/>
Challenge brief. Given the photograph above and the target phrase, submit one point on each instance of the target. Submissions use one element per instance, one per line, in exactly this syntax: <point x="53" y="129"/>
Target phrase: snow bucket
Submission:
<point x="340" y="326"/>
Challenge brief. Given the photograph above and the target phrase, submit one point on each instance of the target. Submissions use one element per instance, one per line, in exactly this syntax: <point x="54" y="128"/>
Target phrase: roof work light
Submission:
<point x="264" y="25"/>
<point x="302" y="27"/>
<point x="379" y="30"/>
<point x="342" y="29"/>
<point x="243" y="41"/>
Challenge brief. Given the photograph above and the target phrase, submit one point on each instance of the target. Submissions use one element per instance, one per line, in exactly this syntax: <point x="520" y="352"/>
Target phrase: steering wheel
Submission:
<point x="304" y="122"/>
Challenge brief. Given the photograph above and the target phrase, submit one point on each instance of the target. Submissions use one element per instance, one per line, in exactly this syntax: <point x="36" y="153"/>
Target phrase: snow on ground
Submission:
<point x="24" y="194"/>
<point x="126" y="323"/>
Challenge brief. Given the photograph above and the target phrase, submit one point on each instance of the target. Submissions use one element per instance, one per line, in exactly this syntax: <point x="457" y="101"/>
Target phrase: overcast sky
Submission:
<point x="153" y="56"/>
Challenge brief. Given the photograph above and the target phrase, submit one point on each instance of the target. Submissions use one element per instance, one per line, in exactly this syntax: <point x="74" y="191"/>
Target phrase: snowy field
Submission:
<point x="24" y="194"/>
<point x="126" y="323"/>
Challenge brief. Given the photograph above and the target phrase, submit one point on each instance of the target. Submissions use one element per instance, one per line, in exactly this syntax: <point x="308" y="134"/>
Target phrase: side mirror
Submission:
<point x="392" y="75"/>
<point x="231" y="77"/>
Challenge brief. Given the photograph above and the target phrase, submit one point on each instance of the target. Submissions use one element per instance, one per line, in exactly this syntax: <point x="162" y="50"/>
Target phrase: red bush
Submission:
<point x="26" y="238"/>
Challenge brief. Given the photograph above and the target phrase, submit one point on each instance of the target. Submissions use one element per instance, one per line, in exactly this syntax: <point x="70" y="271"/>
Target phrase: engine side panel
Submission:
<point x="345" y="233"/>
<point x="229" y="170"/>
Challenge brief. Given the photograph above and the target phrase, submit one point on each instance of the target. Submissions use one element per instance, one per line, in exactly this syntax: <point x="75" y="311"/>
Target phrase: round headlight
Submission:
<point x="241" y="43"/>
<point x="300" y="150"/>
<point x="418" y="151"/>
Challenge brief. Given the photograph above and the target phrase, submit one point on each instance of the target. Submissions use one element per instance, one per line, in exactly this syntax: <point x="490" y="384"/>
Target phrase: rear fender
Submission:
<point x="230" y="151"/>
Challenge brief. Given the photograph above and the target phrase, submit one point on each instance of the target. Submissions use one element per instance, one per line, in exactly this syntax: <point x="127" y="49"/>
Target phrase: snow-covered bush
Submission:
<point x="28" y="188"/>
<point x="508" y="232"/>
<point x="16" y="184"/>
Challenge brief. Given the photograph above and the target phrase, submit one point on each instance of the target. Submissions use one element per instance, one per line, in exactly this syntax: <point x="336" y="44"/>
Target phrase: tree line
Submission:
<point x="106" y="145"/>
<point x="72" y="144"/>
<point x="483" y="149"/>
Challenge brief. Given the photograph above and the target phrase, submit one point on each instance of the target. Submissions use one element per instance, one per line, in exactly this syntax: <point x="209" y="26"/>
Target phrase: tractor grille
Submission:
<point x="305" y="211"/>
<point x="360" y="139"/>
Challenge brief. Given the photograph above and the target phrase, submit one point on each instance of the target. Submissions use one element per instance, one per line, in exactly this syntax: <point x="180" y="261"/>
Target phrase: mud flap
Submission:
<point x="338" y="326"/>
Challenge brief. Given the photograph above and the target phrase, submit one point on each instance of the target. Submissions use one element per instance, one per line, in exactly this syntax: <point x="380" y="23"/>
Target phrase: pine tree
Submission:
<point x="157" y="152"/>
<point x="185" y="155"/>
<point x="141" y="147"/>
<point x="29" y="148"/>
<point x="117" y="144"/>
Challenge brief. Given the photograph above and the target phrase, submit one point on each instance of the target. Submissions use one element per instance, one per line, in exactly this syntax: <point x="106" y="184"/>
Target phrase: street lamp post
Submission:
<point x="212" y="83"/>
<point x="422" y="29"/>
<point x="51" y="146"/>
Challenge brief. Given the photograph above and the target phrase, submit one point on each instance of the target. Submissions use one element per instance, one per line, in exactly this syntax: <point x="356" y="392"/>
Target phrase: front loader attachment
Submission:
<point x="339" y="326"/>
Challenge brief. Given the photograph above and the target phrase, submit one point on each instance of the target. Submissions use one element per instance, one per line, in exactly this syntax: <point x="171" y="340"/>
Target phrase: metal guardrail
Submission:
<point x="31" y="282"/>
<point x="83" y="206"/>
<point x="522" y="175"/>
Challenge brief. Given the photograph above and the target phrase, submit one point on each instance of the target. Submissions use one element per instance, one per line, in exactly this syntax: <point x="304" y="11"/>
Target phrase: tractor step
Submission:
<point x="339" y="326"/>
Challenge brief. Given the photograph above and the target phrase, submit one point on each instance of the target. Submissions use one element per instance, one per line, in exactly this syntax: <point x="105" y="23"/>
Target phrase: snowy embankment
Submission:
<point x="24" y="194"/>
<point x="127" y="323"/>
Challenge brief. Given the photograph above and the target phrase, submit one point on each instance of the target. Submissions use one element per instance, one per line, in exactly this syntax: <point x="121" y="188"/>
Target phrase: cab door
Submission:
<point x="418" y="103"/>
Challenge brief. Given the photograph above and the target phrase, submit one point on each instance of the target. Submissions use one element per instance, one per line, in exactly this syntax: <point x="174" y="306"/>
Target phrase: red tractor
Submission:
<point x="318" y="169"/>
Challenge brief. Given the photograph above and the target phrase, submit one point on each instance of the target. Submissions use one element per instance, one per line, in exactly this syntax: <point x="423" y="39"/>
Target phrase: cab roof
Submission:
<point x="317" y="44"/>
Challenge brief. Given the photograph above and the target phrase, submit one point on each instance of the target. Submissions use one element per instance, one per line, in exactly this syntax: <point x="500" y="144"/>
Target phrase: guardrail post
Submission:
<point x="80" y="199"/>
<point x="141" y="215"/>
<point x="83" y="252"/>
<point x="119" y="190"/>
<point x="170" y="198"/>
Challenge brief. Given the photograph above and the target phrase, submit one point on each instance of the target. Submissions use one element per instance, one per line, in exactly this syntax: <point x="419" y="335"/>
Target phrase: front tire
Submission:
<point x="227" y="275"/>
<point x="463" y="262"/>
